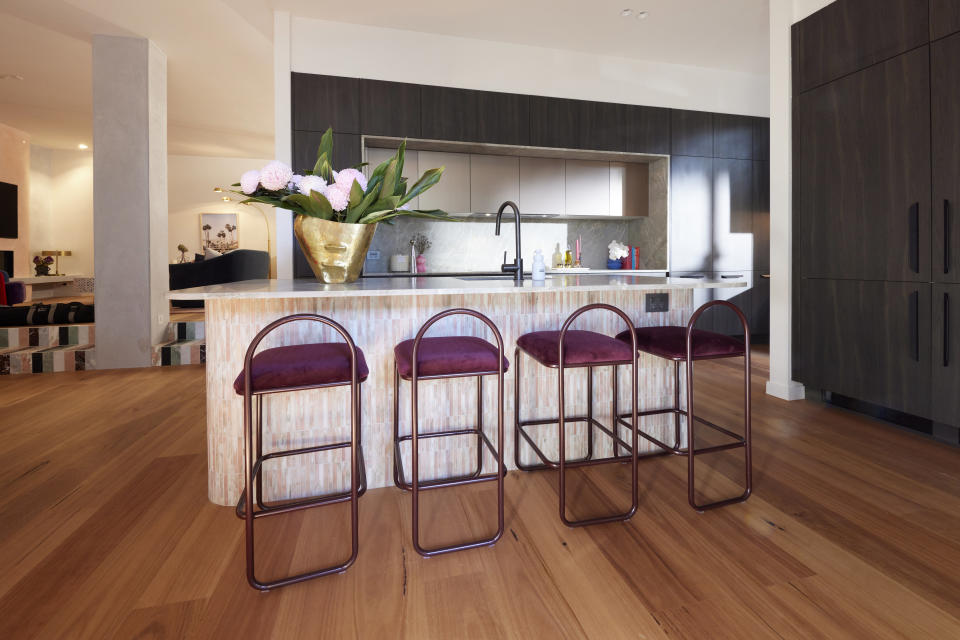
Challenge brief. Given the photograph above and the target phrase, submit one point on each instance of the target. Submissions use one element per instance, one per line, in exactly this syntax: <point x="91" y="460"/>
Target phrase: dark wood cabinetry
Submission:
<point x="945" y="365"/>
<point x="578" y="124"/>
<point x="691" y="133"/>
<point x="865" y="173"/>
<point x="448" y="114"/>
<point x="320" y="102"/>
<point x="503" y="118"/>
<point x="945" y="123"/>
<point x="389" y="109"/>
<point x="869" y="340"/>
<point x="346" y="149"/>
<point x="944" y="18"/>
<point x="850" y="35"/>
<point x="554" y="122"/>
<point x="732" y="218"/>
<point x="760" y="203"/>
<point x="732" y="136"/>
<point x="691" y="214"/>
<point x="761" y="139"/>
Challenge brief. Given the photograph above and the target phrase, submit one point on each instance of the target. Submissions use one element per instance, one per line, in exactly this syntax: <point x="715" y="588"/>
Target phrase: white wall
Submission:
<point x="423" y="58"/>
<point x="783" y="14"/>
<point x="15" y="169"/>
<point x="192" y="180"/>
<point x="61" y="206"/>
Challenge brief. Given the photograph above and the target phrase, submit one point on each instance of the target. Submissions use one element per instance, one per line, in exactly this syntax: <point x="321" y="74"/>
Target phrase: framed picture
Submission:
<point x="219" y="232"/>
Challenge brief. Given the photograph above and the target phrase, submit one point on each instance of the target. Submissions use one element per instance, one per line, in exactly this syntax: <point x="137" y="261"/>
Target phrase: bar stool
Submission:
<point x="440" y="358"/>
<point x="686" y="345"/>
<point x="297" y="368"/>
<point x="567" y="349"/>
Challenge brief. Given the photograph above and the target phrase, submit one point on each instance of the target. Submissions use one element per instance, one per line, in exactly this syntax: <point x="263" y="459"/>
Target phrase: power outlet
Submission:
<point x="657" y="302"/>
<point x="373" y="255"/>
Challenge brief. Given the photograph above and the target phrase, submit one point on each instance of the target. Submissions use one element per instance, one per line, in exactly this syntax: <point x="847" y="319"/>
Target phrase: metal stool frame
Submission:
<point x="562" y="464"/>
<point x="249" y="508"/>
<point x="691" y="451"/>
<point x="415" y="486"/>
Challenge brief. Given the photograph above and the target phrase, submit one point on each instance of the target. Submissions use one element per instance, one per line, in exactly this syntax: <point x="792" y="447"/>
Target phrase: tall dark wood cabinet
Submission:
<point x="865" y="173"/>
<point x="870" y="340"/>
<point x="849" y="35"/>
<point x="944" y="18"/>
<point x="876" y="187"/>
<point x="945" y="121"/>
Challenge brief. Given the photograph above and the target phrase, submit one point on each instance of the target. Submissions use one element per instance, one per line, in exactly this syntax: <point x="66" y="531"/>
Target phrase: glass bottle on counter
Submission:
<point x="556" y="261"/>
<point x="568" y="258"/>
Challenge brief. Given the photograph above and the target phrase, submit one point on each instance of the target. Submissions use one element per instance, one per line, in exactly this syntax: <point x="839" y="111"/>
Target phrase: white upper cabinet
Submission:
<point x="587" y="188"/>
<point x="452" y="193"/>
<point x="542" y="186"/>
<point x="493" y="180"/>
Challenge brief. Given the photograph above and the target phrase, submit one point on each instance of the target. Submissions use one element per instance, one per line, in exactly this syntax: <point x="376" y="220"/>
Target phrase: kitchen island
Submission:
<point x="381" y="312"/>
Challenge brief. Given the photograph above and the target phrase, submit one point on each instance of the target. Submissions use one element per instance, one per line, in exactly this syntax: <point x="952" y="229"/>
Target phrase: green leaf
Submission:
<point x="354" y="213"/>
<point x="307" y="206"/>
<point x="427" y="180"/>
<point x="322" y="204"/>
<point x="389" y="187"/>
<point x="326" y="145"/>
<point x="356" y="194"/>
<point x="235" y="184"/>
<point x="401" y="154"/>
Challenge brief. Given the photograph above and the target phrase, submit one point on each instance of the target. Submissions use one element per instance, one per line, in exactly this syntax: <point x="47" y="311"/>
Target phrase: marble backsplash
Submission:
<point x="470" y="244"/>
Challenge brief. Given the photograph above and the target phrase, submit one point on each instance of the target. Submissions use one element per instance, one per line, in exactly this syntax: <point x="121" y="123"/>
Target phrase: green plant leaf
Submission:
<point x="306" y="206"/>
<point x="326" y="145"/>
<point x="356" y="194"/>
<point x="389" y="187"/>
<point x="355" y="213"/>
<point x="427" y="180"/>
<point x="322" y="204"/>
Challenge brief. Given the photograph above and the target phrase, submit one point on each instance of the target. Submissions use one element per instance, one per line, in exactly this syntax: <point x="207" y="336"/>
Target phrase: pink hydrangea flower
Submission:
<point x="275" y="176"/>
<point x="311" y="183"/>
<point x="338" y="198"/>
<point x="249" y="181"/>
<point x="345" y="179"/>
<point x="294" y="183"/>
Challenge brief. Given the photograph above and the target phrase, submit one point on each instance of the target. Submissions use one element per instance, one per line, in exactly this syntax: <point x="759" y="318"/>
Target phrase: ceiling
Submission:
<point x="219" y="52"/>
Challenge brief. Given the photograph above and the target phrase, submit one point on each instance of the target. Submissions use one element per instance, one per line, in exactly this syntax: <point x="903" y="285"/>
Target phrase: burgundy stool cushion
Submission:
<point x="302" y="365"/>
<point x="671" y="343"/>
<point x="447" y="356"/>
<point x="579" y="348"/>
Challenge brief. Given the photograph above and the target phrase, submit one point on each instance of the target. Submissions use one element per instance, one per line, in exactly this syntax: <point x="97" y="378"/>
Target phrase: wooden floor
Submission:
<point x="105" y="531"/>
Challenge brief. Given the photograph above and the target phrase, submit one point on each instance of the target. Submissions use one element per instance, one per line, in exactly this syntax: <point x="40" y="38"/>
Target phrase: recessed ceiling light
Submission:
<point x="82" y="147"/>
<point x="226" y="198"/>
<point x="218" y="189"/>
<point x="626" y="13"/>
<point x="642" y="15"/>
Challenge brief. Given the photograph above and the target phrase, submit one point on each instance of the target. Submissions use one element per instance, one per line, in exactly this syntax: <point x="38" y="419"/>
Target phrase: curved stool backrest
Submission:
<point x="276" y="324"/>
<point x="590" y="307"/>
<point x="456" y="312"/>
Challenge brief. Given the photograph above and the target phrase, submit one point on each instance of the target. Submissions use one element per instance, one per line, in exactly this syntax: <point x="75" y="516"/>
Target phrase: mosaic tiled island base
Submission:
<point x="378" y="320"/>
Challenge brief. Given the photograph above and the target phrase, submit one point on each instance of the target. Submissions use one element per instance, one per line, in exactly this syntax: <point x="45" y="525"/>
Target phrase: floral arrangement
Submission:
<point x="42" y="265"/>
<point x="340" y="196"/>
<point x="420" y="243"/>
<point x="617" y="250"/>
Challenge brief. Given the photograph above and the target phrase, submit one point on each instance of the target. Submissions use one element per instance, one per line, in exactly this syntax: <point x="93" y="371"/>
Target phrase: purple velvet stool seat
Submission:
<point x="588" y="350"/>
<point x="686" y="345"/>
<point x="302" y="365"/>
<point x="581" y="348"/>
<point x="444" y="358"/>
<point x="299" y="368"/>
<point x="671" y="343"/>
<point x="448" y="356"/>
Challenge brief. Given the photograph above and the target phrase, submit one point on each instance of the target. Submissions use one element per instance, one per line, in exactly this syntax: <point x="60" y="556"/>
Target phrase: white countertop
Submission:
<point x="412" y="286"/>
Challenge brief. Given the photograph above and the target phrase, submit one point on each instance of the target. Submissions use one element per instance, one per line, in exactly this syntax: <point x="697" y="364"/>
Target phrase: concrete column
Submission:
<point x="781" y="383"/>
<point x="129" y="199"/>
<point x="283" y="146"/>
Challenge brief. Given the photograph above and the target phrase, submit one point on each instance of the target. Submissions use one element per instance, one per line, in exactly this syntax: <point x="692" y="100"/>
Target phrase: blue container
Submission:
<point x="613" y="264"/>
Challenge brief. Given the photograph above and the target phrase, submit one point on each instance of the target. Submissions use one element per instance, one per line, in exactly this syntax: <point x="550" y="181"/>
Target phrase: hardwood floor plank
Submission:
<point x="105" y="531"/>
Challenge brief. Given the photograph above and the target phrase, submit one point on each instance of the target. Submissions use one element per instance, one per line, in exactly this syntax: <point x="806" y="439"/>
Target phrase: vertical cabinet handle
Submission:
<point x="915" y="325"/>
<point x="915" y="237"/>
<point x="946" y="329"/>
<point x="947" y="236"/>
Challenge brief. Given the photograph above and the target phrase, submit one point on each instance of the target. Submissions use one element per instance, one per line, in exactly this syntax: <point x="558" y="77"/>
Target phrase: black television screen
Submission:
<point x="8" y="210"/>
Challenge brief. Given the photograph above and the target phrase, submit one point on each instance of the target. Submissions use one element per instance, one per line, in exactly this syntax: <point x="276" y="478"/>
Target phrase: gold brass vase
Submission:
<point x="335" y="250"/>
